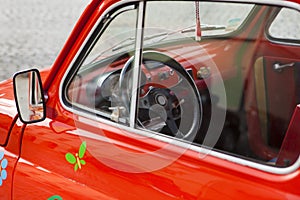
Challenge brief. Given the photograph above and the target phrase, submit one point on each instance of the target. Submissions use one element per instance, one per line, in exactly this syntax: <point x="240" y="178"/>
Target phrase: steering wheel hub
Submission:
<point x="161" y="100"/>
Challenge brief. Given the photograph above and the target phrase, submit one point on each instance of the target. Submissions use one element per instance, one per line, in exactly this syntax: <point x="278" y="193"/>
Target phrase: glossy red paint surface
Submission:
<point x="36" y="153"/>
<point x="207" y="178"/>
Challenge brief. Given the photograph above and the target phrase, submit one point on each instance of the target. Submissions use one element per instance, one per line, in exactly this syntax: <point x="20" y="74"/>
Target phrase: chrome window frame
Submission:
<point x="164" y="138"/>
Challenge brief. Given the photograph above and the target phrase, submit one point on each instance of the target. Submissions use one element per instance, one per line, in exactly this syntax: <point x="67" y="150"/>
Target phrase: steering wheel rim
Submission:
<point x="196" y="113"/>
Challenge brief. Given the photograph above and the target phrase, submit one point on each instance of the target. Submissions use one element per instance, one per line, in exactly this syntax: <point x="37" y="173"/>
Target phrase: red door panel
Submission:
<point x="44" y="171"/>
<point x="281" y="90"/>
<point x="277" y="94"/>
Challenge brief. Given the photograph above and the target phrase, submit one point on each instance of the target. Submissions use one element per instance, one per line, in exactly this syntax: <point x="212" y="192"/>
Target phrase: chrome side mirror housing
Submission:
<point x="29" y="96"/>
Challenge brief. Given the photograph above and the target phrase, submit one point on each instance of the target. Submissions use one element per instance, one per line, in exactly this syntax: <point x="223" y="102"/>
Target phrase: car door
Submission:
<point x="285" y="70"/>
<point x="126" y="104"/>
<point x="276" y="75"/>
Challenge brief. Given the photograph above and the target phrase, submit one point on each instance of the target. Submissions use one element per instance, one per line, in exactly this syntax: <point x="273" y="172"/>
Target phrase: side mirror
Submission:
<point x="29" y="96"/>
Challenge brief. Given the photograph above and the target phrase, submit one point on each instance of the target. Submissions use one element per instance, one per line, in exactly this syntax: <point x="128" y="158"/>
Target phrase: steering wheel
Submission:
<point x="164" y="108"/>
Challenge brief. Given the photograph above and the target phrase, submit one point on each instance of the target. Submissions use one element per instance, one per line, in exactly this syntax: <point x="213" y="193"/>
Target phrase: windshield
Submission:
<point x="167" y="21"/>
<point x="183" y="18"/>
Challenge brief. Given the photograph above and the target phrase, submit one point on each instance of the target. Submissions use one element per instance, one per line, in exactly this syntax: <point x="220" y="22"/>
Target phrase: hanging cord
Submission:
<point x="198" y="24"/>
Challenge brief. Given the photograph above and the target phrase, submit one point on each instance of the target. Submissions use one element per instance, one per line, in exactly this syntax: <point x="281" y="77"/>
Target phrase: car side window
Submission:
<point x="186" y="93"/>
<point x="286" y="25"/>
<point x="95" y="87"/>
<point x="201" y="77"/>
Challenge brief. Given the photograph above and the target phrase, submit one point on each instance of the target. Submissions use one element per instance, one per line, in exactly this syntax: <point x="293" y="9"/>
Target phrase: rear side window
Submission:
<point x="286" y="26"/>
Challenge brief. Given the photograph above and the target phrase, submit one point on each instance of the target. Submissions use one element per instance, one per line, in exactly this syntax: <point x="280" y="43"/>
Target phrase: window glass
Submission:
<point x="176" y="69"/>
<point x="95" y="87"/>
<point x="217" y="92"/>
<point x="286" y="25"/>
<point x="178" y="19"/>
<point x="119" y="36"/>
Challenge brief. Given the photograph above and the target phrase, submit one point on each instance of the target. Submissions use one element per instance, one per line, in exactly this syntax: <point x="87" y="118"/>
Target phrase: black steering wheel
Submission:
<point x="175" y="110"/>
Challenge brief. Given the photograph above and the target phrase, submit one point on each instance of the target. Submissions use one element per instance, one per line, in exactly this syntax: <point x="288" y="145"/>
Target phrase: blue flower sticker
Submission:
<point x="3" y="165"/>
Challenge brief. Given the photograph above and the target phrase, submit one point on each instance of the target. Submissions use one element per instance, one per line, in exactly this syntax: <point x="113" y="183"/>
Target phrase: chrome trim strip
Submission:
<point x="137" y="62"/>
<point x="164" y="138"/>
<point x="267" y="2"/>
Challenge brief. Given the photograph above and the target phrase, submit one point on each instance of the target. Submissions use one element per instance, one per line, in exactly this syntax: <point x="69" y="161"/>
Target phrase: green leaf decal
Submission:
<point x="82" y="150"/>
<point x="55" y="197"/>
<point x="82" y="162"/>
<point x="70" y="158"/>
<point x="75" y="167"/>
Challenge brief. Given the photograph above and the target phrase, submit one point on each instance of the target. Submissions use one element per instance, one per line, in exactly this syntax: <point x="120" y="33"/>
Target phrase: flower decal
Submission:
<point x="3" y="165"/>
<point x="77" y="158"/>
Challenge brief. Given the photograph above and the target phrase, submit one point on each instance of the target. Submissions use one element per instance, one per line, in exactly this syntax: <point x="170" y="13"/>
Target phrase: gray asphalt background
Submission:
<point x="32" y="32"/>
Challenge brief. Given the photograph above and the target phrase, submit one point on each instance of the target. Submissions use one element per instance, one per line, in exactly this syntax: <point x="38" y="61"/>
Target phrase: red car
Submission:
<point x="160" y="100"/>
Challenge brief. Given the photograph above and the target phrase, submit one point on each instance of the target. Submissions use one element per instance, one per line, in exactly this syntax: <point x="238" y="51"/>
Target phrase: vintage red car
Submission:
<point x="160" y="100"/>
